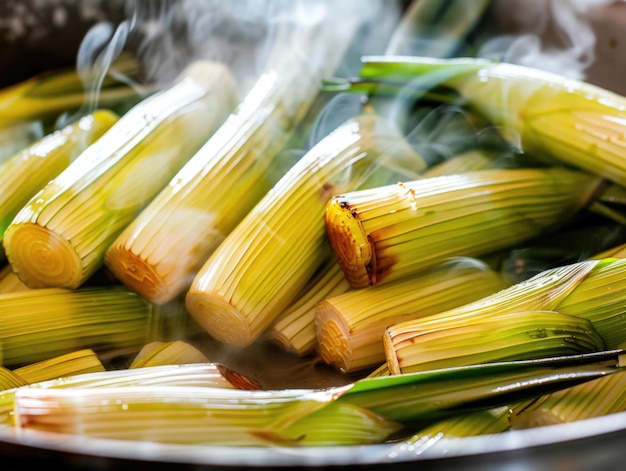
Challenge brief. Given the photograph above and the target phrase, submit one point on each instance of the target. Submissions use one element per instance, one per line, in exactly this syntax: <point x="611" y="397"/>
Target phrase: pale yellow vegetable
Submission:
<point x="262" y="265"/>
<point x="59" y="237"/>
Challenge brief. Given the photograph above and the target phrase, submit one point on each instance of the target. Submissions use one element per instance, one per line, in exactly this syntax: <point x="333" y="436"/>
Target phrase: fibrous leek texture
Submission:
<point x="58" y="239"/>
<point x="385" y="233"/>
<point x="202" y="374"/>
<point x="68" y="364"/>
<point x="350" y="326"/>
<point x="550" y="116"/>
<point x="262" y="265"/>
<point x="592" y="290"/>
<point x="472" y="424"/>
<point x="197" y="375"/>
<point x="511" y="336"/>
<point x="367" y="411"/>
<point x="294" y="329"/>
<point x="10" y="379"/>
<point x="29" y="170"/>
<point x="161" y="251"/>
<point x="594" y="398"/>
<point x="36" y="325"/>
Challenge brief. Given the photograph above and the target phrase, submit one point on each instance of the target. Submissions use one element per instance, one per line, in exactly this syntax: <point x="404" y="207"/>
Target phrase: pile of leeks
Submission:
<point x="454" y="283"/>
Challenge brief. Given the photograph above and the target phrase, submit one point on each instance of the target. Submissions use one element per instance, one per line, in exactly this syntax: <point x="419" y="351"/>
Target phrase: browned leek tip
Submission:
<point x="41" y="257"/>
<point x="138" y="274"/>
<point x="350" y="244"/>
<point x="239" y="380"/>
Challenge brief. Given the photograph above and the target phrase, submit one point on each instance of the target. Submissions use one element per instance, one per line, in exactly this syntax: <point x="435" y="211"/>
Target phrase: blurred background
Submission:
<point x="583" y="38"/>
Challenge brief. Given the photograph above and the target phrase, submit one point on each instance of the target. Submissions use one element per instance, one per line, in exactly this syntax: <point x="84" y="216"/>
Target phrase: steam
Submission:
<point x="167" y="35"/>
<point x="553" y="35"/>
<point x="92" y="67"/>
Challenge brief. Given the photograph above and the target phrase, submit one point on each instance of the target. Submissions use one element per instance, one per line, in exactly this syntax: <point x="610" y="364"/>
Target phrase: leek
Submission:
<point x="591" y="290"/>
<point x="554" y="118"/>
<point x="28" y="171"/>
<point x="58" y="239"/>
<point x="367" y="411"/>
<point x="261" y="266"/>
<point x="350" y="326"/>
<point x="388" y="232"/>
<point x="162" y="250"/>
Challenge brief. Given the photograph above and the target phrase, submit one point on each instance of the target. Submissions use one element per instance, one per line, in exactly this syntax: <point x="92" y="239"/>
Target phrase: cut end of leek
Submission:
<point x="350" y="325"/>
<point x="138" y="274"/>
<point x="333" y="332"/>
<point x="353" y="257"/>
<point x="219" y="318"/>
<point x="42" y="258"/>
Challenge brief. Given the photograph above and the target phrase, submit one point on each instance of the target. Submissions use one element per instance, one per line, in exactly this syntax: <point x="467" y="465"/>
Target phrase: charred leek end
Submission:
<point x="502" y="337"/>
<point x="28" y="171"/>
<point x="168" y="353"/>
<point x="350" y="326"/>
<point x="58" y="239"/>
<point x="294" y="330"/>
<point x="260" y="267"/>
<point x="385" y="233"/>
<point x="69" y="364"/>
<point x="37" y="325"/>
<point x="602" y="396"/>
<point x="564" y="119"/>
<point x="10" y="282"/>
<point x="49" y="95"/>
